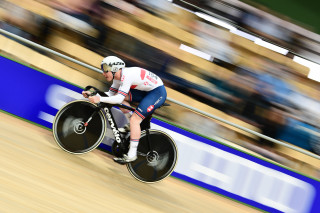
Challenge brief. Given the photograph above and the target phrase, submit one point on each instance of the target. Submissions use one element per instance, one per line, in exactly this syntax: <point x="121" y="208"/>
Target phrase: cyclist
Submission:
<point x="131" y="84"/>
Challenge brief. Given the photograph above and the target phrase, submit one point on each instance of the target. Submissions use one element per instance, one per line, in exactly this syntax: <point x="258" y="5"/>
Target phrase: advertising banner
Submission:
<point x="36" y="96"/>
<point x="31" y="94"/>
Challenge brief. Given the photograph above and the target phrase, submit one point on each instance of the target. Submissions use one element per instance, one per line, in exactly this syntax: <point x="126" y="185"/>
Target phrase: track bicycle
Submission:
<point x="80" y="126"/>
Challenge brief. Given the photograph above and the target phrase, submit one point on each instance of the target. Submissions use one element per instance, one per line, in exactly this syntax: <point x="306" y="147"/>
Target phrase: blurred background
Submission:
<point x="254" y="63"/>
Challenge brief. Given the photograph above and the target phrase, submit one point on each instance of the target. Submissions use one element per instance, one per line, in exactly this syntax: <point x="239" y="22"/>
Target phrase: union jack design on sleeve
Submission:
<point x="122" y="93"/>
<point x="113" y="89"/>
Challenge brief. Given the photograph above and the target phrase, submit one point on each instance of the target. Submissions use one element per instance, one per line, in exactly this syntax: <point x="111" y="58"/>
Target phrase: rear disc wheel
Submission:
<point x="157" y="163"/>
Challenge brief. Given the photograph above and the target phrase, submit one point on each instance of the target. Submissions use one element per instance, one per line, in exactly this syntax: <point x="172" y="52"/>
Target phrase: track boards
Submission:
<point x="37" y="176"/>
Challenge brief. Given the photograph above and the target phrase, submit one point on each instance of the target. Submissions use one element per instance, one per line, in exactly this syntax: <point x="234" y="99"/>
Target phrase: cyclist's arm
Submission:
<point x="116" y="99"/>
<point x="113" y="89"/>
<point x="119" y="97"/>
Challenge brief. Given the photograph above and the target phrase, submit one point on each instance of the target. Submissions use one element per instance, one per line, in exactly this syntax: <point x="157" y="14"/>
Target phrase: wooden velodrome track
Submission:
<point x="37" y="176"/>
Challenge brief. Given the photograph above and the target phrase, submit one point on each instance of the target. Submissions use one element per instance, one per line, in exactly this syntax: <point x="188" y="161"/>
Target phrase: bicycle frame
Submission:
<point x="113" y="124"/>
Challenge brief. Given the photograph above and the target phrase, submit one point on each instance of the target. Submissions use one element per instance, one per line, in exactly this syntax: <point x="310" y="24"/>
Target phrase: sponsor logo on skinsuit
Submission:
<point x="150" y="108"/>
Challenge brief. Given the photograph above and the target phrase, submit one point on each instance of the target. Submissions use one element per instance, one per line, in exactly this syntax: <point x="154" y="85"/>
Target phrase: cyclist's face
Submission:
<point x="107" y="72"/>
<point x="108" y="75"/>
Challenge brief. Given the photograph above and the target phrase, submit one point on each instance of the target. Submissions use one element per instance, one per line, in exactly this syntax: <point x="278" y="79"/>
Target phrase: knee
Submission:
<point x="135" y="119"/>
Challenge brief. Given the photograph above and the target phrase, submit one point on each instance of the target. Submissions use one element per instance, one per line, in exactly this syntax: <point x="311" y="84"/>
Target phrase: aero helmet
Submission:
<point x="112" y="64"/>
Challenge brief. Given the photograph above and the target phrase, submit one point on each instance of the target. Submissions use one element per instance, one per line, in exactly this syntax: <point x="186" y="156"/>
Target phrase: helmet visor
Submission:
<point x="105" y="68"/>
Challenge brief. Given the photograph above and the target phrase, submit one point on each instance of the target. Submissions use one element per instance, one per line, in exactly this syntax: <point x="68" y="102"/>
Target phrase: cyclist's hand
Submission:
<point x="94" y="99"/>
<point x="86" y="94"/>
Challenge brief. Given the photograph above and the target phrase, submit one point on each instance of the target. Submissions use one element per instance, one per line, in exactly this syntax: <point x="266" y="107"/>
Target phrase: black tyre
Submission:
<point x="156" y="162"/>
<point x="70" y="131"/>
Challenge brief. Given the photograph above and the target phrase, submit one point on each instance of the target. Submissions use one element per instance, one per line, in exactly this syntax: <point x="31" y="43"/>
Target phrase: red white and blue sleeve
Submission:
<point x="122" y="92"/>
<point x="114" y="88"/>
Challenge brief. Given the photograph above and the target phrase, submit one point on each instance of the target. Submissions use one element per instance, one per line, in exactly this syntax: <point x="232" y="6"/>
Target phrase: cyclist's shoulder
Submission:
<point x="133" y="72"/>
<point x="136" y="72"/>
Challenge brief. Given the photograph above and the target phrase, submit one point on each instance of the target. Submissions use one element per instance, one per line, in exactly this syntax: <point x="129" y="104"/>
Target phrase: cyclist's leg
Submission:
<point x="135" y="133"/>
<point x="135" y="120"/>
<point x="149" y="101"/>
<point x="152" y="100"/>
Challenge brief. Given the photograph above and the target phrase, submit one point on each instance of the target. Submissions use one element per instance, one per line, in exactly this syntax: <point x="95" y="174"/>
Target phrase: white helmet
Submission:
<point x="112" y="63"/>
